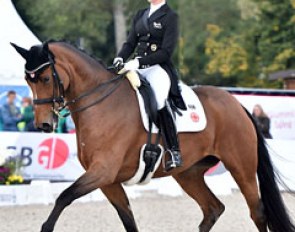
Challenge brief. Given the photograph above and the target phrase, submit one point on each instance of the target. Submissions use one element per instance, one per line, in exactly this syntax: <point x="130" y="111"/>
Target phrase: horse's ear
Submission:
<point x="45" y="47"/>
<point x="23" y="52"/>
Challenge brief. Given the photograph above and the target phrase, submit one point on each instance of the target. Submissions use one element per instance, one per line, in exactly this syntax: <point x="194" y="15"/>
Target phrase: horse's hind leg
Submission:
<point x="243" y="169"/>
<point x="248" y="185"/>
<point x="117" y="197"/>
<point x="193" y="183"/>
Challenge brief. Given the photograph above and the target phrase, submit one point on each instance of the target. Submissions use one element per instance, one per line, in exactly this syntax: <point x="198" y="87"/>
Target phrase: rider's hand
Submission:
<point x="132" y="65"/>
<point x="118" y="62"/>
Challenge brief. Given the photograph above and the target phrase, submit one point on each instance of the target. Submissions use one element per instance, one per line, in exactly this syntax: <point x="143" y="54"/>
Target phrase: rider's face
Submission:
<point x="155" y="2"/>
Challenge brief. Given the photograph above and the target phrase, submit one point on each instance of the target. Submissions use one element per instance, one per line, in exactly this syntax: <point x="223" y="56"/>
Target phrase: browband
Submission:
<point x="38" y="68"/>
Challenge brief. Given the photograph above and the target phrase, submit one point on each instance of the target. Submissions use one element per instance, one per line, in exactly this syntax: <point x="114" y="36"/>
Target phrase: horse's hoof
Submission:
<point x="46" y="228"/>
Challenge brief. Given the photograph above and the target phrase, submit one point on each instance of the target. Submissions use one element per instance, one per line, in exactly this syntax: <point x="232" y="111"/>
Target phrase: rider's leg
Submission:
<point x="169" y="133"/>
<point x="160" y="83"/>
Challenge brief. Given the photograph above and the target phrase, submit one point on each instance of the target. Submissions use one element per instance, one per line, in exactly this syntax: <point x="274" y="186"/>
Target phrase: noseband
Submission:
<point x="59" y="91"/>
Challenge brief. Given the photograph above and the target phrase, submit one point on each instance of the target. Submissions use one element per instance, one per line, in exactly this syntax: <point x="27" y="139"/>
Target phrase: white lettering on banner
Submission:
<point x="280" y="109"/>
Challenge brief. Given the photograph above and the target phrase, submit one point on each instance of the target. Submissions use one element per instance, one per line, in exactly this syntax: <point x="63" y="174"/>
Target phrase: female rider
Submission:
<point x="152" y="38"/>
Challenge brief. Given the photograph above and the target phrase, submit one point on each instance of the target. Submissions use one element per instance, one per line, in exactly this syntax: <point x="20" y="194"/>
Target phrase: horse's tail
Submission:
<point x="275" y="211"/>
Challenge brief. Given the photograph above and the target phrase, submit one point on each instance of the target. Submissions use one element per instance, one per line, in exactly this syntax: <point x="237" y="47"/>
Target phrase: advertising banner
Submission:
<point x="280" y="109"/>
<point x="54" y="156"/>
<point x="45" y="156"/>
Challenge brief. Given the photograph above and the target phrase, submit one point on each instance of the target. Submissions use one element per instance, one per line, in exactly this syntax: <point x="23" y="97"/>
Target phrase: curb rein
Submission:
<point x="59" y="96"/>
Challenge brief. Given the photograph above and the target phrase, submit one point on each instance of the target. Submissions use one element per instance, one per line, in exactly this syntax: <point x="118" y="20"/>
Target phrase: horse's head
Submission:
<point x="48" y="87"/>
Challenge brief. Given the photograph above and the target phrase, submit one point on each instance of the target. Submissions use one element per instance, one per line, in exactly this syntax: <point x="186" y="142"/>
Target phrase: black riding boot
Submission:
<point x="169" y="134"/>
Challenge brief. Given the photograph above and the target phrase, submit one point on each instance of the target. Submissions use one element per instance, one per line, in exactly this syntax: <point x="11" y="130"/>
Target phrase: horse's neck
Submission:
<point x="84" y="77"/>
<point x="84" y="73"/>
<point x="88" y="85"/>
<point x="106" y="115"/>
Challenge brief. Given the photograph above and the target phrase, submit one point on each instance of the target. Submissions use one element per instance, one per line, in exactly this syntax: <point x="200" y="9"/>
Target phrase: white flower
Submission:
<point x="2" y="160"/>
<point x="4" y="154"/>
<point x="10" y="153"/>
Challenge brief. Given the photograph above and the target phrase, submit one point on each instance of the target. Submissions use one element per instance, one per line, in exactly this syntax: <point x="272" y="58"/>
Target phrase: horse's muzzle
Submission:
<point x="45" y="127"/>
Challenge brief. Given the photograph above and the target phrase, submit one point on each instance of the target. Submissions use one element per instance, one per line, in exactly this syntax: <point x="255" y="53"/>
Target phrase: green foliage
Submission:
<point x="226" y="55"/>
<point x="10" y="169"/>
<point x="276" y="34"/>
<point x="194" y="18"/>
<point x="263" y="43"/>
<point x="87" y="23"/>
<point x="222" y="42"/>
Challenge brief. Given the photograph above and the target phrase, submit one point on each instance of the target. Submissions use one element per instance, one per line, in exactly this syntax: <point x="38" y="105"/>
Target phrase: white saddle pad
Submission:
<point x="192" y="120"/>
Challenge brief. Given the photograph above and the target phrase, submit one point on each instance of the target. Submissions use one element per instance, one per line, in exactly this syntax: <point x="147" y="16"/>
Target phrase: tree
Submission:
<point x="75" y="21"/>
<point x="276" y="33"/>
<point x="254" y="37"/>
<point x="194" y="18"/>
<point x="119" y="23"/>
<point x="264" y="43"/>
<point x="99" y="27"/>
<point x="227" y="56"/>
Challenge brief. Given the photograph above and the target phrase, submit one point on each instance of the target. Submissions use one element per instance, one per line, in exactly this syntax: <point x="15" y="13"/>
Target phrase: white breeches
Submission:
<point x="159" y="81"/>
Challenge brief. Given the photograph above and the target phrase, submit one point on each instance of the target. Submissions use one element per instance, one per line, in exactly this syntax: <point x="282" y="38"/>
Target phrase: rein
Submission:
<point x="59" y="92"/>
<point x="111" y="90"/>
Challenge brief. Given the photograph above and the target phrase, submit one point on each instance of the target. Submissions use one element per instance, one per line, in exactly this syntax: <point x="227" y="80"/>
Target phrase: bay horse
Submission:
<point x="110" y="134"/>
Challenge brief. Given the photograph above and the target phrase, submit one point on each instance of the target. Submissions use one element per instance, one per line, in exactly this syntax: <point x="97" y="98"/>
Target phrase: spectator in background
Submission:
<point x="262" y="120"/>
<point x="10" y="113"/>
<point x="70" y="125"/>
<point x="66" y="125"/>
<point x="27" y="114"/>
<point x="61" y="127"/>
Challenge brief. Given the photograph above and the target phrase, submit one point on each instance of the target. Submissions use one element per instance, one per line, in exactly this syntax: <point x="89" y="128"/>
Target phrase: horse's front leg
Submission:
<point x="118" y="198"/>
<point x="93" y="178"/>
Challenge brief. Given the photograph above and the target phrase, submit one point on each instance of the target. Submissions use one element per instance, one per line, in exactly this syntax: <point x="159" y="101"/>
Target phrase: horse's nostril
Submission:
<point x="46" y="127"/>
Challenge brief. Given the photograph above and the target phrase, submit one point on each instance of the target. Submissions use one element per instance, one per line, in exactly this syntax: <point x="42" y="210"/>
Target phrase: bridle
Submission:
<point x="58" y="98"/>
<point x="58" y="87"/>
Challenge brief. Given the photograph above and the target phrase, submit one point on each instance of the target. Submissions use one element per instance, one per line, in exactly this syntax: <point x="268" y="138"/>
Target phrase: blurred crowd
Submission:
<point x="15" y="118"/>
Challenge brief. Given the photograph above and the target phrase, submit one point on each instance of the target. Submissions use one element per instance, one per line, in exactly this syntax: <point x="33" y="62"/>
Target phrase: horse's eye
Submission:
<point x="46" y="79"/>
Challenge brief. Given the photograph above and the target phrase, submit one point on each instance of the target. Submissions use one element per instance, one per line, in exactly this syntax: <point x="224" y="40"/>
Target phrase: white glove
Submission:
<point x="118" y="61"/>
<point x="132" y="65"/>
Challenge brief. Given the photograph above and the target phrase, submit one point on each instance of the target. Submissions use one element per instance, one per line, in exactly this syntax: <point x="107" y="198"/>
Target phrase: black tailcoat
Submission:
<point x="154" y="39"/>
